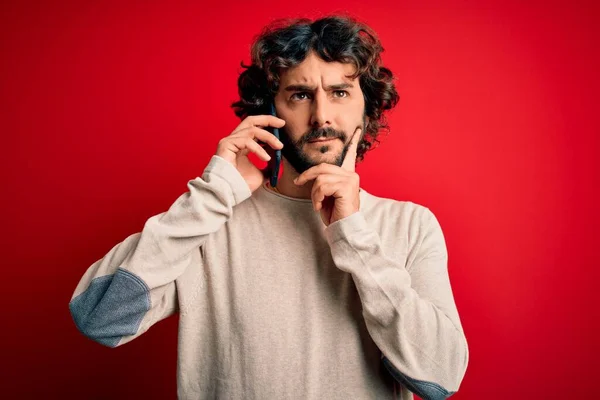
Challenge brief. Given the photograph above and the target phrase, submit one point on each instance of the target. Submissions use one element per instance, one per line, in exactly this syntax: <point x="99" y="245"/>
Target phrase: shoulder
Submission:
<point x="414" y="215"/>
<point x="404" y="221"/>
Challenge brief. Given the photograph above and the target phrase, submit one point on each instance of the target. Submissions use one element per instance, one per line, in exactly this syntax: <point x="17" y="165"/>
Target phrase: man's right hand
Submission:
<point x="243" y="140"/>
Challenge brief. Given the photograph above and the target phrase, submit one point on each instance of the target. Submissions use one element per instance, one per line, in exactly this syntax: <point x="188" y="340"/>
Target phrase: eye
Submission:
<point x="299" y="94"/>
<point x="343" y="93"/>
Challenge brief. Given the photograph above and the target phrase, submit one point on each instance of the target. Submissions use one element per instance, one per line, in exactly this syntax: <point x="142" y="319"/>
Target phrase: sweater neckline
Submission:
<point x="287" y="199"/>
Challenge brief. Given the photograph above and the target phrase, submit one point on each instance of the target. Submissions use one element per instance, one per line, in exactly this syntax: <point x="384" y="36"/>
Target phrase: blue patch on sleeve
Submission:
<point x="423" y="389"/>
<point x="111" y="307"/>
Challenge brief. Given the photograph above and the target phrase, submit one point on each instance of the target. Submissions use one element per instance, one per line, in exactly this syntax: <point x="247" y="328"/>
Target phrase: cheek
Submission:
<point x="352" y="116"/>
<point x="360" y="105"/>
<point x="292" y="128"/>
<point x="290" y="132"/>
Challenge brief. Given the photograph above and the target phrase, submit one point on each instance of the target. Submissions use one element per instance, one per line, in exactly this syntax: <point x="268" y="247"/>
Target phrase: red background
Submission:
<point x="109" y="108"/>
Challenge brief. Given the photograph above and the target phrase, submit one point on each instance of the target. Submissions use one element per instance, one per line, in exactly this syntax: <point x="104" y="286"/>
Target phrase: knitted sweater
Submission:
<point x="273" y="304"/>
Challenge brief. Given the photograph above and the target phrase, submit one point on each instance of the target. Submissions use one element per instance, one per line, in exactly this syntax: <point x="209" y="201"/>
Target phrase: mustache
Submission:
<point x="323" y="133"/>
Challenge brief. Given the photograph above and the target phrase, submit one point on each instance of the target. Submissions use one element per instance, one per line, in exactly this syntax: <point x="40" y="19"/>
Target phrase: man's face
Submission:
<point x="318" y="102"/>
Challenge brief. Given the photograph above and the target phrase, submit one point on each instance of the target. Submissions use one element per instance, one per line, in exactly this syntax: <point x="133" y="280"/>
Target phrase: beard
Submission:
<point x="300" y="160"/>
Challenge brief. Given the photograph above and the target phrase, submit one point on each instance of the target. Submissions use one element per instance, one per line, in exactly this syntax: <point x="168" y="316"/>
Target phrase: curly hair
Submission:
<point x="286" y="42"/>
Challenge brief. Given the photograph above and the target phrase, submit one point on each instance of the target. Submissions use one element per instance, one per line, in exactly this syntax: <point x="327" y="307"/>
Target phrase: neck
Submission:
<point x="287" y="187"/>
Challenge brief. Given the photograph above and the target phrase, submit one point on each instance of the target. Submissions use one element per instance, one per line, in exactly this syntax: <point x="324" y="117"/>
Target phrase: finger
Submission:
<point x="327" y="191"/>
<point x="261" y="135"/>
<point x="325" y="186"/>
<point x="315" y="171"/>
<point x="349" y="163"/>
<point x="260" y="120"/>
<point x="256" y="149"/>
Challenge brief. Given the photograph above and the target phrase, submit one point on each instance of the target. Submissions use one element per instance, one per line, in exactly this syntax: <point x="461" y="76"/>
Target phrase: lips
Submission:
<point x="321" y="140"/>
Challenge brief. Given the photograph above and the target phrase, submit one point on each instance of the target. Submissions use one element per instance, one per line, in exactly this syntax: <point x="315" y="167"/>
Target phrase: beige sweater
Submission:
<point x="275" y="305"/>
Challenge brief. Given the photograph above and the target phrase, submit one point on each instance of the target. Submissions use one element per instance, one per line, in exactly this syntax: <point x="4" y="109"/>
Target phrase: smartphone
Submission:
<point x="277" y="160"/>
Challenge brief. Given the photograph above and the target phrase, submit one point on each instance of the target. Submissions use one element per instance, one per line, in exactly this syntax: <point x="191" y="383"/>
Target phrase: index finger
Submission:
<point x="260" y="121"/>
<point x="350" y="160"/>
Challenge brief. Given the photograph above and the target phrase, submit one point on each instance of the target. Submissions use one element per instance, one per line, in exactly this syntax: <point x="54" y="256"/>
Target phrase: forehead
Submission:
<point x="314" y="70"/>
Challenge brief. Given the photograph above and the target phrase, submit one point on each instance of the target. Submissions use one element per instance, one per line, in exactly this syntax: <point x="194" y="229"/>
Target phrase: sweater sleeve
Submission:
<point x="132" y="287"/>
<point x="409" y="311"/>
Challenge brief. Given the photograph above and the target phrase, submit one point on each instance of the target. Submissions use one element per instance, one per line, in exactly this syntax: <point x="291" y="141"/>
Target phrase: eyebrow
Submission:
<point x="306" y="88"/>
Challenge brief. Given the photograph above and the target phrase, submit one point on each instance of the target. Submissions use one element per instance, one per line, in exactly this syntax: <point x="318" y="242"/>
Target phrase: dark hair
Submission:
<point x="285" y="43"/>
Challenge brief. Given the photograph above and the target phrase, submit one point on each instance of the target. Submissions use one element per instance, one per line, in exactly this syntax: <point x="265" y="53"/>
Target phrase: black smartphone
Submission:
<point x="277" y="160"/>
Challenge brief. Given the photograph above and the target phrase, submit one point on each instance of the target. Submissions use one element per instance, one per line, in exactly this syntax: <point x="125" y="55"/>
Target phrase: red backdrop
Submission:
<point x="109" y="108"/>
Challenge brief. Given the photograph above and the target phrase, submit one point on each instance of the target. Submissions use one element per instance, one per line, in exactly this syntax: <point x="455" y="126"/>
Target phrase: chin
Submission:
<point x="330" y="157"/>
<point x="329" y="149"/>
<point x="318" y="155"/>
<point x="305" y="157"/>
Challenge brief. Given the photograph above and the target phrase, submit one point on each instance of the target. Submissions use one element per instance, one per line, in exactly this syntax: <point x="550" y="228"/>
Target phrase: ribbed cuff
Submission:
<point x="345" y="227"/>
<point x="224" y="169"/>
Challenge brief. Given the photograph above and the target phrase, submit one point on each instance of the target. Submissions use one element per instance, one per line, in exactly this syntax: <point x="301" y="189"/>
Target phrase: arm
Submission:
<point x="132" y="287"/>
<point x="409" y="311"/>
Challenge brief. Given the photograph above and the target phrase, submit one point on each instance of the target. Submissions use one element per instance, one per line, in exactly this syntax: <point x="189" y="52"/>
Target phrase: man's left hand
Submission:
<point x="335" y="192"/>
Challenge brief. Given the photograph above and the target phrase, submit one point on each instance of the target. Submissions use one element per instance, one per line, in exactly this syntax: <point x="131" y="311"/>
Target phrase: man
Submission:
<point x="313" y="289"/>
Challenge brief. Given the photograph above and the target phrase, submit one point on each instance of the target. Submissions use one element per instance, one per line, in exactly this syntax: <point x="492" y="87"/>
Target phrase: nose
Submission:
<point x="321" y="111"/>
